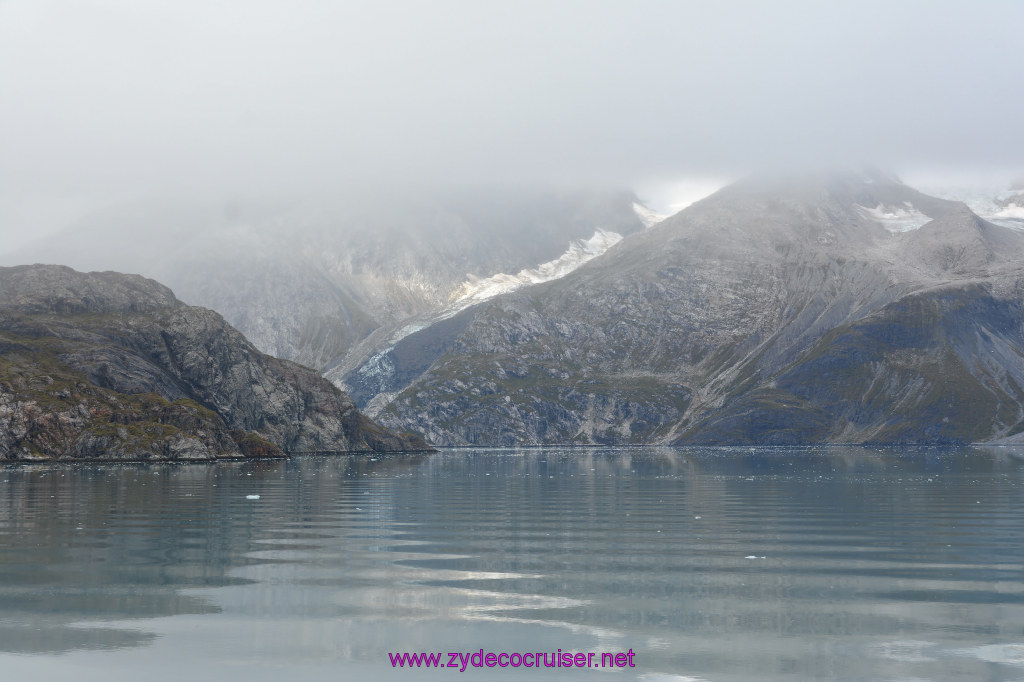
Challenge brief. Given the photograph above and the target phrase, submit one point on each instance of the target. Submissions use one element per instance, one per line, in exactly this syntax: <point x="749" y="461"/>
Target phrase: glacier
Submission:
<point x="580" y="251"/>
<point x="896" y="218"/>
<point x="1000" y="206"/>
<point x="647" y="216"/>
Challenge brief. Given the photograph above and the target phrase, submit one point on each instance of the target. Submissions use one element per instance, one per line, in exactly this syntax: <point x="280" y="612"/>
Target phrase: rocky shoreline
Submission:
<point x="112" y="367"/>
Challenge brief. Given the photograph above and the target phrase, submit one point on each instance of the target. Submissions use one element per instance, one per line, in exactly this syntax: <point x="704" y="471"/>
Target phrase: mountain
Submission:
<point x="309" y="279"/>
<point x="103" y="365"/>
<point x="842" y="307"/>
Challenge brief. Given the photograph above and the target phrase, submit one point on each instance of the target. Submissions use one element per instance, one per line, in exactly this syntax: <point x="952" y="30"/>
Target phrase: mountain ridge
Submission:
<point x="308" y="279"/>
<point x="651" y="340"/>
<point x="111" y="366"/>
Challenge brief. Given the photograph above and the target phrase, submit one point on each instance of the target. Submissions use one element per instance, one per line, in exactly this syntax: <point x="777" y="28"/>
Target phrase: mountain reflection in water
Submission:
<point x="711" y="564"/>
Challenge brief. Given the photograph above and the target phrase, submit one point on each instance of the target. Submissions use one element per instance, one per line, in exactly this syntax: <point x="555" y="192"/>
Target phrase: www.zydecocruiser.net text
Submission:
<point x="462" y="660"/>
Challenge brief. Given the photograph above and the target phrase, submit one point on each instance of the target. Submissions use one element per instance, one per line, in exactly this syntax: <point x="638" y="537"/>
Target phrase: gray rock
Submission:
<point x="103" y="365"/>
<point x="717" y="324"/>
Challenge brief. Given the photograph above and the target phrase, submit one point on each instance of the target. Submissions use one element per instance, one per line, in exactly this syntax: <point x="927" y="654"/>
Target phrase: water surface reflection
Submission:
<point x="714" y="564"/>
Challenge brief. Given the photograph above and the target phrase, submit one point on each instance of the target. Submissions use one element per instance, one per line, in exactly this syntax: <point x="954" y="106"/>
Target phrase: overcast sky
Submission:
<point x="102" y="100"/>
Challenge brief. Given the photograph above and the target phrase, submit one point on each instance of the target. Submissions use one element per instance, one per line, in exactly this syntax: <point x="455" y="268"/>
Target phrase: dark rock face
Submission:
<point x="938" y="366"/>
<point x="776" y="311"/>
<point x="104" y="365"/>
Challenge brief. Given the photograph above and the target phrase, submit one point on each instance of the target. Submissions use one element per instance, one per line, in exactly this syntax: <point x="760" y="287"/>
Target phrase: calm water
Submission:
<point x="831" y="564"/>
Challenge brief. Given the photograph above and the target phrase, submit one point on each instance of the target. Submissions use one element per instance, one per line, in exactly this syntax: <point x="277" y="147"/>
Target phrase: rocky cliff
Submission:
<point x="844" y="307"/>
<point x="112" y="366"/>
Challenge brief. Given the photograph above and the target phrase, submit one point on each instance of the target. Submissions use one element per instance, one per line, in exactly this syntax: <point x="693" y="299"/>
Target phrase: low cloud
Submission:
<point x="112" y="99"/>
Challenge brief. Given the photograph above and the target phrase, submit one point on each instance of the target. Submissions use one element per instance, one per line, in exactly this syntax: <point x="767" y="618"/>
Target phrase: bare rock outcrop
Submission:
<point x="111" y="366"/>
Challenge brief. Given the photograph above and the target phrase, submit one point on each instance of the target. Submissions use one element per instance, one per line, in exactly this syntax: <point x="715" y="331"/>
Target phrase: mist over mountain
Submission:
<point x="308" y="279"/>
<point x="999" y="203"/>
<point x="784" y="308"/>
<point x="683" y="337"/>
<point x="843" y="307"/>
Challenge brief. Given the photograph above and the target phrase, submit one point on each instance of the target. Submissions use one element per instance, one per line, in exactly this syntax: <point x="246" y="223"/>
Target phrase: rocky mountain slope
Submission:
<point x="309" y="279"/>
<point x="111" y="366"/>
<point x="830" y="308"/>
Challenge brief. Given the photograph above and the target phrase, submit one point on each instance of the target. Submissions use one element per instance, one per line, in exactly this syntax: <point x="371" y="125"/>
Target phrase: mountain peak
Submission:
<point x="59" y="289"/>
<point x="961" y="243"/>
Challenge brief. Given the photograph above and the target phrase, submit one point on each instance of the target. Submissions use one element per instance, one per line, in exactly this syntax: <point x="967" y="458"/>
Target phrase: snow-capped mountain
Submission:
<point x="824" y="308"/>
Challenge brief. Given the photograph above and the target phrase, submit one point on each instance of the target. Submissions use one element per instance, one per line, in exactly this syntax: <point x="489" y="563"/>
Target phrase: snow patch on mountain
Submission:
<point x="647" y="216"/>
<point x="380" y="367"/>
<point x="580" y="251"/>
<point x="478" y="289"/>
<point x="896" y="218"/>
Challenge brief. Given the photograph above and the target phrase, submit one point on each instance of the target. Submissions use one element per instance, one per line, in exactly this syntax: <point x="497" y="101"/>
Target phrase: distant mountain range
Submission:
<point x="829" y="308"/>
<point x="105" y="366"/>
<point x="307" y="280"/>
<point x="833" y="307"/>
